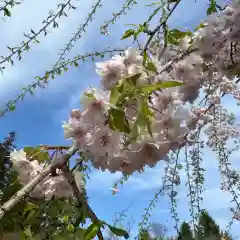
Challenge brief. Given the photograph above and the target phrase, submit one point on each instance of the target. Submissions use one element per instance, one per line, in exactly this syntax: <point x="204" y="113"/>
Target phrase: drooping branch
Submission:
<point x="35" y="181"/>
<point x="7" y="5"/>
<point x="165" y="186"/>
<point x="126" y="6"/>
<point x="77" y="35"/>
<point x="41" y="82"/>
<point x="32" y="37"/>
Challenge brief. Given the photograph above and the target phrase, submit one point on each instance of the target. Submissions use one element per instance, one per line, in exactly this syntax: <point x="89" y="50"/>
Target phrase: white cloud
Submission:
<point x="29" y="15"/>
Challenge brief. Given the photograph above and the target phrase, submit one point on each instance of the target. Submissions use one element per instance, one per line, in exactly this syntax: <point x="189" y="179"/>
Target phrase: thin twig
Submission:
<point x="24" y="44"/>
<point x="77" y="35"/>
<point x="164" y="21"/>
<point x="40" y="81"/>
<point x="125" y="6"/>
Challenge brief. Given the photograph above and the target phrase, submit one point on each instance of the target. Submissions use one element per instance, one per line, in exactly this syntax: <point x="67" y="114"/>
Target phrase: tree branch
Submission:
<point x="80" y="198"/>
<point x="77" y="35"/>
<point x="7" y="206"/>
<point x="41" y="81"/>
<point x="25" y="44"/>
<point x="164" y="21"/>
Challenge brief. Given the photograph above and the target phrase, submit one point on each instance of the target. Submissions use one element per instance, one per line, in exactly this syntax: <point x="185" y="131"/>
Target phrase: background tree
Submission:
<point x="6" y="170"/>
<point x="185" y="232"/>
<point x="207" y="227"/>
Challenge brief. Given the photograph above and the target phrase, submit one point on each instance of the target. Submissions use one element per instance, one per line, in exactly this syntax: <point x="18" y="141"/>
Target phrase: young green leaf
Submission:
<point x="114" y="95"/>
<point x="128" y="34"/>
<point x="158" y="86"/>
<point x="175" y="35"/>
<point x="11" y="107"/>
<point x="90" y="96"/>
<point x="28" y="232"/>
<point x="143" y="121"/>
<point x="70" y="228"/>
<point x="117" y="120"/>
<point x="201" y="25"/>
<point x="6" y="12"/>
<point x="29" y="207"/>
<point x="79" y="233"/>
<point x="151" y="67"/>
<point x="118" y="231"/>
<point x="133" y="79"/>
<point x="212" y="7"/>
<point x="92" y="231"/>
<point x="145" y="57"/>
<point x="36" y="154"/>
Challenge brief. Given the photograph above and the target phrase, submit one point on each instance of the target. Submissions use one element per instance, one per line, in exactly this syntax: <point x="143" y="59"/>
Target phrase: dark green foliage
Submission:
<point x="185" y="232"/>
<point x="31" y="217"/>
<point x="207" y="229"/>
<point x="207" y="226"/>
<point x="6" y="172"/>
<point x="226" y="236"/>
<point x="144" y="235"/>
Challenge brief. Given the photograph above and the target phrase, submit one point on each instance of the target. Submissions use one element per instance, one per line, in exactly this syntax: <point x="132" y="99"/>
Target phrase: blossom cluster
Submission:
<point x="52" y="186"/>
<point x="210" y="62"/>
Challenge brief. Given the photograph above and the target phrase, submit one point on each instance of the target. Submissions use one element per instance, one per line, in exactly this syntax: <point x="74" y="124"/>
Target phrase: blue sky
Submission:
<point x="38" y="119"/>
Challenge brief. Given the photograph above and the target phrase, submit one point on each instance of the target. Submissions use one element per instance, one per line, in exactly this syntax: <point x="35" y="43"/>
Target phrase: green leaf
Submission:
<point x="124" y="90"/>
<point x="145" y="57"/>
<point x="212" y="7"/>
<point x="90" y="96"/>
<point x="138" y="127"/>
<point x="6" y="12"/>
<point x="31" y="216"/>
<point x="28" y="232"/>
<point x="151" y="67"/>
<point x="175" y="35"/>
<point x="46" y="75"/>
<point x="36" y="154"/>
<point x="29" y="207"/>
<point x="92" y="231"/>
<point x="79" y="233"/>
<point x="65" y="219"/>
<point x="128" y="34"/>
<point x="148" y="64"/>
<point x="114" y="95"/>
<point x="117" y="120"/>
<point x="133" y="79"/>
<point x="154" y="3"/>
<point x="61" y="236"/>
<point x="12" y="107"/>
<point x="70" y="228"/>
<point x="141" y="28"/>
<point x="118" y="231"/>
<point x="158" y="86"/>
<point x="201" y="25"/>
<point x="143" y="121"/>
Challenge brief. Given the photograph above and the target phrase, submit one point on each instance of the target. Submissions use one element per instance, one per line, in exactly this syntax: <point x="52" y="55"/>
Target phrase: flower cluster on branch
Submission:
<point x="135" y="119"/>
<point x="53" y="185"/>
